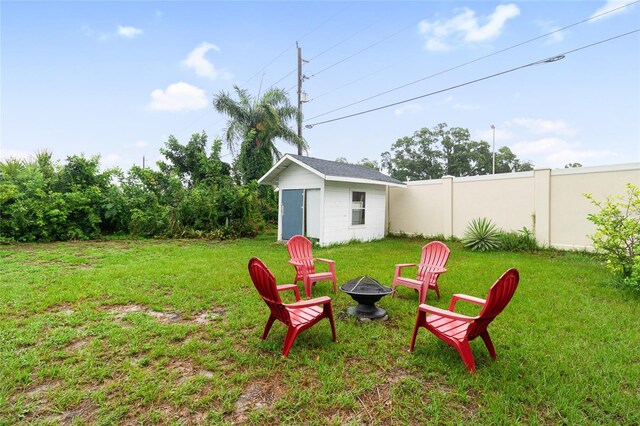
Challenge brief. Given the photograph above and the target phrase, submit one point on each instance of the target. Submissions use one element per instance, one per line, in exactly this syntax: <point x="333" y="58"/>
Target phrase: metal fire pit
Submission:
<point x="366" y="291"/>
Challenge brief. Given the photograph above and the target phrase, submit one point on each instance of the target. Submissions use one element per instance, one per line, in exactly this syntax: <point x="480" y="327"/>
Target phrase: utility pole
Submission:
<point x="299" y="95"/>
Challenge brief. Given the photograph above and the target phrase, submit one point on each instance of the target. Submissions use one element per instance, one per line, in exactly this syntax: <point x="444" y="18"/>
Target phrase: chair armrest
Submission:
<point x="323" y="300"/>
<point x="470" y="299"/>
<point x="404" y="265"/>
<point x="399" y="269"/>
<point x="444" y="313"/>
<point x="293" y="287"/>
<point x="330" y="263"/>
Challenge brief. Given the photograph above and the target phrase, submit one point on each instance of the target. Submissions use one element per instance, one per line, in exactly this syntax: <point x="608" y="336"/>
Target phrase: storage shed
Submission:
<point x="329" y="201"/>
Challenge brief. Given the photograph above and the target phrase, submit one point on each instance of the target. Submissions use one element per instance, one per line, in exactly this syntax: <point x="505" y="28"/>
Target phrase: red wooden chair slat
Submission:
<point x="458" y="330"/>
<point x="432" y="265"/>
<point x="296" y="316"/>
<point x="302" y="259"/>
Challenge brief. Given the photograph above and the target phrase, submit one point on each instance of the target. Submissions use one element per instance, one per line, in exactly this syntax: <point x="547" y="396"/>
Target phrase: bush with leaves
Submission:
<point x="482" y="235"/>
<point x="520" y="240"/>
<point x="633" y="280"/>
<point x="617" y="234"/>
<point x="42" y="201"/>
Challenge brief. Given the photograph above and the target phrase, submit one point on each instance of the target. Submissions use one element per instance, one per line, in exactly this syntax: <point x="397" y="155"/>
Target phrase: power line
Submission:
<point x="543" y="61"/>
<point x="271" y="62"/>
<point x="363" y="50"/>
<point x="473" y="61"/>
<point x="299" y="39"/>
<point x="344" y="40"/>
<point x="348" y="57"/>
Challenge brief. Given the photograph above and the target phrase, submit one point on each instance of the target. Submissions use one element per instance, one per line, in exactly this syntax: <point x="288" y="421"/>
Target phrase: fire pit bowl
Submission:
<point x="366" y="291"/>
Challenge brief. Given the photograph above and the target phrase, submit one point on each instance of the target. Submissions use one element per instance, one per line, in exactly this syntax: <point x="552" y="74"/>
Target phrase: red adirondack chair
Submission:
<point x="434" y="257"/>
<point x="302" y="259"/>
<point x="296" y="316"/>
<point x="458" y="330"/>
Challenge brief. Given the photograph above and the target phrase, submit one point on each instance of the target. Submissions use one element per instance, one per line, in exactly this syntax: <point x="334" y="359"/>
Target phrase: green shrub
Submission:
<point x="518" y="241"/>
<point x="633" y="280"/>
<point x="617" y="234"/>
<point x="481" y="235"/>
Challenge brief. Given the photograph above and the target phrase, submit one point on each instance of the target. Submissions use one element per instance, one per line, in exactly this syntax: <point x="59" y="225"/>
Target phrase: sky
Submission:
<point x="116" y="79"/>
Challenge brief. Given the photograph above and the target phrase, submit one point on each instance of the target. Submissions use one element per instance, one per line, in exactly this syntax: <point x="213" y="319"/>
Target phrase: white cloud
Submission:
<point x="195" y="60"/>
<point x="178" y="97"/>
<point x="408" y="109"/>
<point x="141" y="144"/>
<point x="129" y="32"/>
<point x="557" y="152"/>
<point x="609" y="6"/>
<point x="540" y="146"/>
<point x="502" y="135"/>
<point x="540" y="126"/>
<point x="466" y="27"/>
<point x="547" y="27"/>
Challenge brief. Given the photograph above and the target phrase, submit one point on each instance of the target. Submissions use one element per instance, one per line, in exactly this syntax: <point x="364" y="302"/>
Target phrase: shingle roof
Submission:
<point x="334" y="168"/>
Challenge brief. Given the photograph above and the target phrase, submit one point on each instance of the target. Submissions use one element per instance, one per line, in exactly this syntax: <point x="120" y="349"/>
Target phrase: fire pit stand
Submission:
<point x="366" y="291"/>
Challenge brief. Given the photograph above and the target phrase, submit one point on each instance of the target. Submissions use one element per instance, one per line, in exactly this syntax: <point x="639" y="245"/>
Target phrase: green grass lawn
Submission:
<point x="168" y="332"/>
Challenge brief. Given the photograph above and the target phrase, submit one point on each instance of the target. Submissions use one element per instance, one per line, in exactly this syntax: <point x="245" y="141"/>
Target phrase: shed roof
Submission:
<point x="329" y="170"/>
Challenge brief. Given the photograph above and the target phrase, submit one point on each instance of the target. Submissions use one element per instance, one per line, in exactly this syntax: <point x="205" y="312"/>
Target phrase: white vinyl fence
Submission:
<point x="550" y="202"/>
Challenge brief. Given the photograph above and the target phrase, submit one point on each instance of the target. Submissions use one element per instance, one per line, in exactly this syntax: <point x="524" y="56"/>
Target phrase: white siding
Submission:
<point x="337" y="226"/>
<point x="296" y="177"/>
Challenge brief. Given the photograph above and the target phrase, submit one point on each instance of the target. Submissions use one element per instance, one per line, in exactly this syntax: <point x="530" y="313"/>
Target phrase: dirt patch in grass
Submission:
<point x="76" y="345"/>
<point x="165" y="317"/>
<point x="187" y="369"/>
<point x="207" y="317"/>
<point x="257" y="395"/>
<point x="121" y="310"/>
<point x="64" y="309"/>
<point x="36" y="398"/>
<point x="168" y="317"/>
<point x="380" y="395"/>
<point x="84" y="411"/>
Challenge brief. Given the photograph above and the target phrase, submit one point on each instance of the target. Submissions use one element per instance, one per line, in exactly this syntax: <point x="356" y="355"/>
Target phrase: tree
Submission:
<point x="617" y="233"/>
<point x="414" y="157"/>
<point x="572" y="165"/>
<point x="432" y="153"/>
<point x="256" y="124"/>
<point x="372" y="164"/>
<point x="191" y="163"/>
<point x="507" y="162"/>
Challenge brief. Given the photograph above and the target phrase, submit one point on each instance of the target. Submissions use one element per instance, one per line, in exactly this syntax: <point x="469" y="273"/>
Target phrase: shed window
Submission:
<point x="357" y="207"/>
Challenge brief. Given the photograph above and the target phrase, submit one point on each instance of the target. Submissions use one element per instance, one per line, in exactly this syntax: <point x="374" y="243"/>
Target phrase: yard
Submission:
<point x="165" y="332"/>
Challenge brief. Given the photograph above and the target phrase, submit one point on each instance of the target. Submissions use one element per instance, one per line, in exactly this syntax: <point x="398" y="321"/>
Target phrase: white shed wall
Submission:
<point x="296" y="177"/>
<point x="337" y="226"/>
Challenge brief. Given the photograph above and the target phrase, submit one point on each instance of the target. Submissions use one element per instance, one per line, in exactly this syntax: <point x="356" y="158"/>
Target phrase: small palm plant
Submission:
<point x="482" y="235"/>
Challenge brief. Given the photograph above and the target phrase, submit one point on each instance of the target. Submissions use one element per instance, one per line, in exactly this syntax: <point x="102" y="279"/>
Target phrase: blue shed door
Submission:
<point x="292" y="212"/>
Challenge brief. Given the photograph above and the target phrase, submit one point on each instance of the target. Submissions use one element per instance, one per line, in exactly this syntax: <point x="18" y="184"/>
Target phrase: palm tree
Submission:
<point x="256" y="124"/>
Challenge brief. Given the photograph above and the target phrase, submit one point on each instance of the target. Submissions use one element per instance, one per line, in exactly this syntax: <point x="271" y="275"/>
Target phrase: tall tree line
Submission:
<point x="442" y="150"/>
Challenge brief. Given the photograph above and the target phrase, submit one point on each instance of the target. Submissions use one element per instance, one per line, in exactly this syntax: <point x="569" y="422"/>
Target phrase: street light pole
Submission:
<point x="494" y="149"/>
